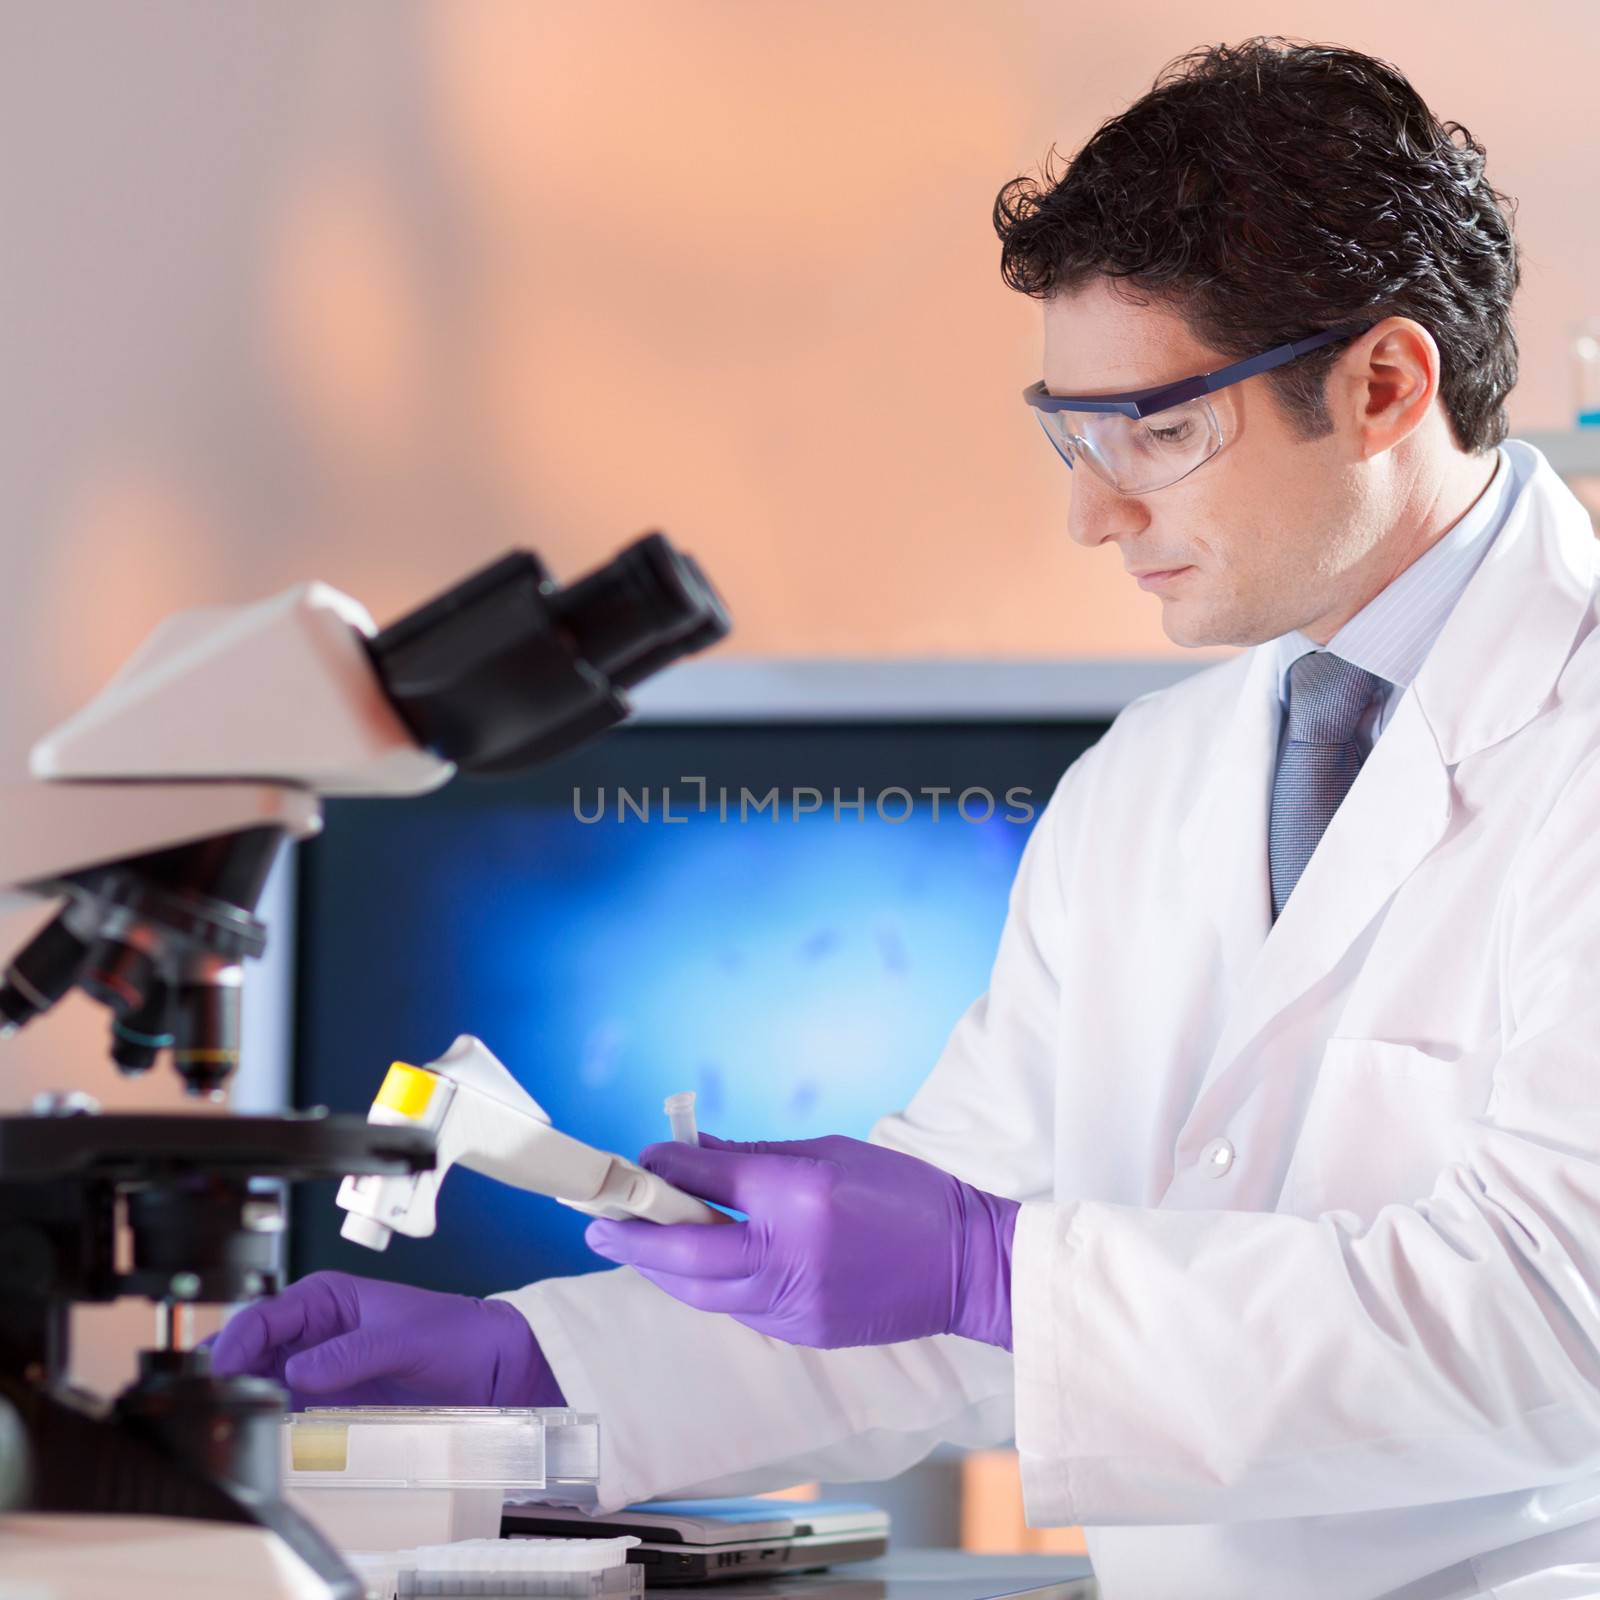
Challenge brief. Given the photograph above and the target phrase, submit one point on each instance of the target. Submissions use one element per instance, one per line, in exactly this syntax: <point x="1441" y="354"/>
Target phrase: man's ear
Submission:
<point x="1385" y="383"/>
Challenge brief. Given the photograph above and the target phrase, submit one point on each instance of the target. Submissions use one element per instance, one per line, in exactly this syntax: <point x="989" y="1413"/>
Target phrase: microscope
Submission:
<point x="152" y="821"/>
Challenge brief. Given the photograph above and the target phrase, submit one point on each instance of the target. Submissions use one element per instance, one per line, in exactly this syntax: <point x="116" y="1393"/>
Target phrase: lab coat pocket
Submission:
<point x="1383" y="1121"/>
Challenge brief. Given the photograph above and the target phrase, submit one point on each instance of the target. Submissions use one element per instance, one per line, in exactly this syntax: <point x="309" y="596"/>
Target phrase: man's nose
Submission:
<point x="1096" y="512"/>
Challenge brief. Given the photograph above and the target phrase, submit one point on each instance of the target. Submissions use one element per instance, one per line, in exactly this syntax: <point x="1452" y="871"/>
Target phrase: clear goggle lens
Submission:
<point x="1137" y="454"/>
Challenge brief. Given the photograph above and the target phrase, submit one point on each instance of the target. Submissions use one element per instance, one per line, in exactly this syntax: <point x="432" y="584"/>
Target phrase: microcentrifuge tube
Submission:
<point x="680" y="1113"/>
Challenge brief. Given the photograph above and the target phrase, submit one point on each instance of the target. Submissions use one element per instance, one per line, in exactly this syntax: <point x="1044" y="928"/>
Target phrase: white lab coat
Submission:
<point x="1305" y="1281"/>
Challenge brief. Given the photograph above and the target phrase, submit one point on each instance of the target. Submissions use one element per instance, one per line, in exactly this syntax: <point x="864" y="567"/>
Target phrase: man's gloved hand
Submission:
<point x="332" y="1339"/>
<point x="847" y="1243"/>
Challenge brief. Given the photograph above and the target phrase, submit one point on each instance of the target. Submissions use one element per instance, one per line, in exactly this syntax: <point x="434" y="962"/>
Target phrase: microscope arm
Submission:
<point x="482" y="1118"/>
<point x="284" y="690"/>
<point x="47" y="824"/>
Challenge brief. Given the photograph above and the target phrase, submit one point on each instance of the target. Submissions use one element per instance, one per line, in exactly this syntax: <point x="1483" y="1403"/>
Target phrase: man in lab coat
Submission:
<point x="1260" y="1195"/>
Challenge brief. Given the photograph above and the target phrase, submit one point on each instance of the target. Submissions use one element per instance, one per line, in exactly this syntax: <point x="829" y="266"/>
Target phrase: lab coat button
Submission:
<point x="1216" y="1158"/>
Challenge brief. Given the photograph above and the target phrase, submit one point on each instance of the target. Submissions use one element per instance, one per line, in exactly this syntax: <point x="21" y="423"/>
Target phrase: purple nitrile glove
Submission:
<point x="335" y="1340"/>
<point x="847" y="1243"/>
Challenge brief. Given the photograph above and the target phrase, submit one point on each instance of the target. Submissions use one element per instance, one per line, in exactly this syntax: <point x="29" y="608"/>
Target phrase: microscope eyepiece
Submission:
<point x="641" y="612"/>
<point x="508" y="669"/>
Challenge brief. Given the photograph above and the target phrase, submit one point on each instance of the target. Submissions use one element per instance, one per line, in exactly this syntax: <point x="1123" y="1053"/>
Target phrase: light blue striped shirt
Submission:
<point x="1392" y="634"/>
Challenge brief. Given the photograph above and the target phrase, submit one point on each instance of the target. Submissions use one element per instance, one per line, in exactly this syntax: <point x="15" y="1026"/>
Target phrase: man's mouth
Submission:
<point x="1159" y="577"/>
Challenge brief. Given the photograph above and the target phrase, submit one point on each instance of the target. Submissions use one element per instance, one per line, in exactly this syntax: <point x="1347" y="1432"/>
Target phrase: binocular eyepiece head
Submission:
<point x="508" y="669"/>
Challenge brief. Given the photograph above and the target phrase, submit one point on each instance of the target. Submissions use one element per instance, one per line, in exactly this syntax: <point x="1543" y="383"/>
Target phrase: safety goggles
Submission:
<point x="1148" y="439"/>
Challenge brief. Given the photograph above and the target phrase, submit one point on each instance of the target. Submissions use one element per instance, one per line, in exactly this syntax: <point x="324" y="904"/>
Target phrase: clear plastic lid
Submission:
<point x="511" y="1567"/>
<point x="440" y="1447"/>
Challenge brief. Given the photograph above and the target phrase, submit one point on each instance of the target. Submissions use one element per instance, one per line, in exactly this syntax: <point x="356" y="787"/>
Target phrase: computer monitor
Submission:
<point x="785" y="914"/>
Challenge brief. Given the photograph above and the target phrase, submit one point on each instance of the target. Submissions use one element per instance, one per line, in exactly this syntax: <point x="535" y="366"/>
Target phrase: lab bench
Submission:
<point x="915" y="1575"/>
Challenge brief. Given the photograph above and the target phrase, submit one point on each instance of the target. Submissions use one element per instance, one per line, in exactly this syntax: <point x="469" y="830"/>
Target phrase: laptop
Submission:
<point x="700" y="1541"/>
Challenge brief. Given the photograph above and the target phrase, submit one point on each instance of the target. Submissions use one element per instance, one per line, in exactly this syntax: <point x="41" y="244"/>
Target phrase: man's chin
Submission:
<point x="1193" y="629"/>
<point x="1183" y="627"/>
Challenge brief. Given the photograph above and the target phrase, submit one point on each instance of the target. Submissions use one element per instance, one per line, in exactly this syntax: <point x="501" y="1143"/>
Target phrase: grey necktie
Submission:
<point x="1317" y="762"/>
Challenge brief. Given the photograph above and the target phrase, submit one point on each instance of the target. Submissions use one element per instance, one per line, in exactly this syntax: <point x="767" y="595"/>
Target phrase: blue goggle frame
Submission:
<point x="1145" y="402"/>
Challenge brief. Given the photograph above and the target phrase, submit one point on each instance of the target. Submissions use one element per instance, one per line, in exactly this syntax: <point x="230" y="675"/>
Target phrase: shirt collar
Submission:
<point x="1392" y="634"/>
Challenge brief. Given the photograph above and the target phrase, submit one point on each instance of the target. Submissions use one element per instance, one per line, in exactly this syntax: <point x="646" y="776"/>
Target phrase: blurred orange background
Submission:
<point x="369" y="290"/>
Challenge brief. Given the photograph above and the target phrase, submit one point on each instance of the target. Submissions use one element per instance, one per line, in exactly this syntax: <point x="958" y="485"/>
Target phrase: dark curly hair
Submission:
<point x="1272" y="189"/>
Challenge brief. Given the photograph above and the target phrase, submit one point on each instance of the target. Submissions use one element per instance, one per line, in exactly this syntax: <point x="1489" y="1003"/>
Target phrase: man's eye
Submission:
<point x="1175" y="434"/>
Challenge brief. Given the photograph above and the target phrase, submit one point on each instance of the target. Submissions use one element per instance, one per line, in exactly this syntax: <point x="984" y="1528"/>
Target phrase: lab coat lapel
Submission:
<point x="1520" y="612"/>
<point x="1395" y="813"/>
<point x="1223" y="835"/>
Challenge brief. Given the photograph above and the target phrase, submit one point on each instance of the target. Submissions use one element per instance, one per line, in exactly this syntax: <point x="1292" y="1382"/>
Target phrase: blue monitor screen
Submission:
<point x="798" y="969"/>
